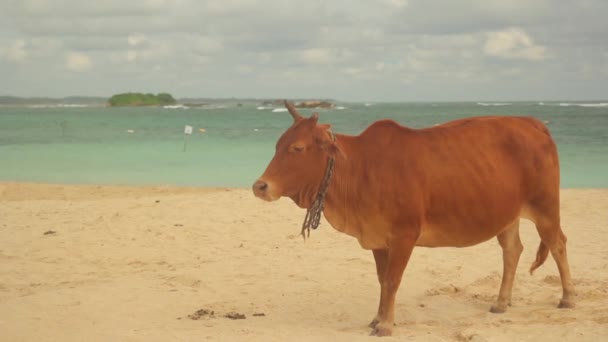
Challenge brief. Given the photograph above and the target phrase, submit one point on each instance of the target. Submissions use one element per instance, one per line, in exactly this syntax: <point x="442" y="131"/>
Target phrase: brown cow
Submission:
<point x="453" y="185"/>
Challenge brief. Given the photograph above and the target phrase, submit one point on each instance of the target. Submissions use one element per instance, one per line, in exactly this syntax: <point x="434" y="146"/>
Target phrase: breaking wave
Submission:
<point x="493" y="104"/>
<point x="177" y="106"/>
<point x="59" y="105"/>
<point x="593" y="105"/>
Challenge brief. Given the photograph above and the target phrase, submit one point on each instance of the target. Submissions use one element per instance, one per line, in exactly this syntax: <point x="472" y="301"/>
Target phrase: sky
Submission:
<point x="358" y="50"/>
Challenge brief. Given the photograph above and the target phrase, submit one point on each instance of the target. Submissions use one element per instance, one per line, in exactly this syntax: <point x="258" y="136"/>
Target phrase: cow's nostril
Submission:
<point x="260" y="186"/>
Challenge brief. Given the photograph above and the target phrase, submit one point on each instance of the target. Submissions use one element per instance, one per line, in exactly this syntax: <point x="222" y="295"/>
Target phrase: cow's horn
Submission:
<point x="292" y="110"/>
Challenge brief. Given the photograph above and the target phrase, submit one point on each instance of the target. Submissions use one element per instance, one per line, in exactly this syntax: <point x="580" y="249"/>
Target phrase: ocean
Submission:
<point x="145" y="145"/>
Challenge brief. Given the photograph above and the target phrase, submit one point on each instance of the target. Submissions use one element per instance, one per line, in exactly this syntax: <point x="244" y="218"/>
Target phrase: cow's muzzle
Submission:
<point x="261" y="189"/>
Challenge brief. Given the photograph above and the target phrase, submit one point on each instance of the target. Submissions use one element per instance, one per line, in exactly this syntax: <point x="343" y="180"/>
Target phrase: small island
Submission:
<point x="140" y="99"/>
<point x="315" y="104"/>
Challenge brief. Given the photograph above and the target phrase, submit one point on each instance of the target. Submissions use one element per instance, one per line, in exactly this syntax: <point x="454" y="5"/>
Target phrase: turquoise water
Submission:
<point x="91" y="145"/>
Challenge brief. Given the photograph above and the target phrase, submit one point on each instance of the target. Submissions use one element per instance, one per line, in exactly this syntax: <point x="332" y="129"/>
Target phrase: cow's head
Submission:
<point x="299" y="162"/>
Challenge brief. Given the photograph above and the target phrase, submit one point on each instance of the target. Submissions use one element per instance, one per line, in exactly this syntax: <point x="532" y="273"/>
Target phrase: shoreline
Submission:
<point x="98" y="263"/>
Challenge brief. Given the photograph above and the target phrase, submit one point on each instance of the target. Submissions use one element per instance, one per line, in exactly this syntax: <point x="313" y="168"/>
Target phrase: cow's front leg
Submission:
<point x="381" y="258"/>
<point x="399" y="252"/>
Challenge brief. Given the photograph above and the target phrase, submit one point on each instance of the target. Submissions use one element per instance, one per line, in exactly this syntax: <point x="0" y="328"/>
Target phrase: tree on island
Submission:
<point x="140" y="99"/>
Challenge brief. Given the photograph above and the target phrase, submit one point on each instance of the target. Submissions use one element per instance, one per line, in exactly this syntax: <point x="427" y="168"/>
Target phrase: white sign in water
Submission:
<point x="188" y="129"/>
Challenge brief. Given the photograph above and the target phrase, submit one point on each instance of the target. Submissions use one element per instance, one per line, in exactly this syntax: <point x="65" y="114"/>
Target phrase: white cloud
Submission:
<point x="136" y="39"/>
<point x="205" y="45"/>
<point x="77" y="61"/>
<point x="513" y="43"/>
<point x="396" y="3"/>
<point x="353" y="71"/>
<point x="316" y="56"/>
<point x="131" y="55"/>
<point x="15" y="53"/>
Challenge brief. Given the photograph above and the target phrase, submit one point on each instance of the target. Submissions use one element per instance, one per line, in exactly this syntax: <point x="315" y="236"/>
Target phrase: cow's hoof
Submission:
<point x="498" y="309"/>
<point x="565" y="304"/>
<point x="373" y="323"/>
<point x="381" y="330"/>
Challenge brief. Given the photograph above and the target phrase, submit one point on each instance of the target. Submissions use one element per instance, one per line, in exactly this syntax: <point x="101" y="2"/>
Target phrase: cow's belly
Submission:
<point x="376" y="234"/>
<point x="460" y="235"/>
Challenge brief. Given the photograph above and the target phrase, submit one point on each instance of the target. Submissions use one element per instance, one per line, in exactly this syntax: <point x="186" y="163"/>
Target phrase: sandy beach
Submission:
<point x="92" y="263"/>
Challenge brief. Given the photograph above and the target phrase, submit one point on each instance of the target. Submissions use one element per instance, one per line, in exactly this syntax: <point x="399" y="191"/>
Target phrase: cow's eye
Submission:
<point x="297" y="148"/>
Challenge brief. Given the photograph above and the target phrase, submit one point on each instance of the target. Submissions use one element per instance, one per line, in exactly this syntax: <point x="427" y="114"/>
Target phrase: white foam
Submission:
<point x="58" y="105"/>
<point x="603" y="104"/>
<point x="73" y="105"/>
<point x="261" y="108"/>
<point x="177" y="106"/>
<point x="592" y="105"/>
<point x="340" y="108"/>
<point x="493" y="104"/>
<point x="278" y="110"/>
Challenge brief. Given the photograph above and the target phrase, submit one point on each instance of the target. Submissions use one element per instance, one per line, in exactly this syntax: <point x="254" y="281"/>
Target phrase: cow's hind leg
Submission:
<point x="511" y="251"/>
<point x="553" y="238"/>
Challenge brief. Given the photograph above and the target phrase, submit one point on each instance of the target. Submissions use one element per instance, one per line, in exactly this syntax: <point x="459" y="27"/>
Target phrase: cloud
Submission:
<point x="131" y="55"/>
<point x="513" y="43"/>
<point x="396" y="3"/>
<point x="316" y="56"/>
<point x="387" y="49"/>
<point x="15" y="53"/>
<point x="77" y="61"/>
<point x="136" y="39"/>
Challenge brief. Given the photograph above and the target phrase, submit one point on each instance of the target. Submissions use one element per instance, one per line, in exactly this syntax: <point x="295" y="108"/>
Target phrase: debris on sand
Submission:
<point x="235" y="315"/>
<point x="205" y="314"/>
<point x="49" y="232"/>
<point x="202" y="313"/>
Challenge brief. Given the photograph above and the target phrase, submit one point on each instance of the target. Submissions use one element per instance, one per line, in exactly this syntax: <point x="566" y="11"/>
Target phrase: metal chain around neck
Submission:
<point x="313" y="213"/>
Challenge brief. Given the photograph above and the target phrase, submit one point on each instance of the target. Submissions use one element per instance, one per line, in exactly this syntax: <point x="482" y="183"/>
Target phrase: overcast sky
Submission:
<point x="358" y="50"/>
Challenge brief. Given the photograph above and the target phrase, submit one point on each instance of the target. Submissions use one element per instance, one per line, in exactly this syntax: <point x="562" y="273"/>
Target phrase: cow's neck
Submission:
<point x="337" y="187"/>
<point x="344" y="170"/>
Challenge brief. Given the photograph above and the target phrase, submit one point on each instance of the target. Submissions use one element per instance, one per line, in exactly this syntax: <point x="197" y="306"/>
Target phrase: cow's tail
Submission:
<point x="541" y="256"/>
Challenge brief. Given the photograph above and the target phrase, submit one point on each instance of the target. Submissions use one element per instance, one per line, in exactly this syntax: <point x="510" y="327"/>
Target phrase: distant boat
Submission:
<point x="277" y="110"/>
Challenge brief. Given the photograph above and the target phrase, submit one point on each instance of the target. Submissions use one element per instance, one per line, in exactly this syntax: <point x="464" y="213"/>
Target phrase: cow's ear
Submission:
<point x="323" y="139"/>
